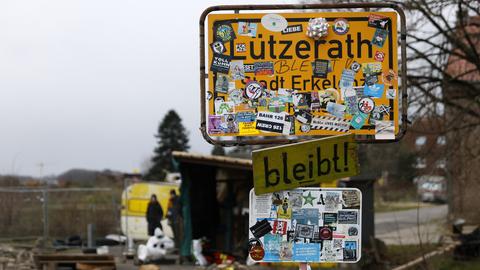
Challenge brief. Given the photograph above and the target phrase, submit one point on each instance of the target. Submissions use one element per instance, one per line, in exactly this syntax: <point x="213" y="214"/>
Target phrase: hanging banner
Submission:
<point x="304" y="164"/>
<point x="306" y="225"/>
<point x="326" y="73"/>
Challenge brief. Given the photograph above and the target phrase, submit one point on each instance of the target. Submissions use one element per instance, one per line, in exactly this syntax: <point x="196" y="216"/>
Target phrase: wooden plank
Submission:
<point x="70" y="257"/>
<point x="78" y="261"/>
<point x="88" y="266"/>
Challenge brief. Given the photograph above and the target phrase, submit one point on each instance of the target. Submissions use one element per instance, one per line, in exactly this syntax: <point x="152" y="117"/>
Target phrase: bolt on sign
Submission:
<point x="306" y="225"/>
<point x="304" y="164"/>
<point x="301" y="74"/>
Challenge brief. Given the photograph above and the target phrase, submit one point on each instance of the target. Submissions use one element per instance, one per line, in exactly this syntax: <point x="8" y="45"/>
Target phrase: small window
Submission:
<point x="421" y="140"/>
<point x="421" y="163"/>
<point x="441" y="163"/>
<point x="441" y="140"/>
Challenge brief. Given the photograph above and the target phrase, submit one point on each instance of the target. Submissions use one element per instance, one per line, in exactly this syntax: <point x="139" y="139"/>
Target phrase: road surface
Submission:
<point x="401" y="227"/>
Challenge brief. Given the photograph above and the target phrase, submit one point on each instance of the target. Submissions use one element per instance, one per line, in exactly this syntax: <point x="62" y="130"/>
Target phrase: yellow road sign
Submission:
<point x="264" y="69"/>
<point x="304" y="164"/>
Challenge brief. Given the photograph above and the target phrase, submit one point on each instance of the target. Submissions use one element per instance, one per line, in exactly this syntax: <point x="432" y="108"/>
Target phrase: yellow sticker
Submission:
<point x="247" y="128"/>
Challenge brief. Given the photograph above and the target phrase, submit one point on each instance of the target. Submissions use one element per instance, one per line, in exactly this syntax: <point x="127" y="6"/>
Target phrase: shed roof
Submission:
<point x="210" y="160"/>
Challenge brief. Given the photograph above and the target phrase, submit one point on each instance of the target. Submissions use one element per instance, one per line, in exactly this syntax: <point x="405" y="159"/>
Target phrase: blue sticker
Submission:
<point x="379" y="37"/>
<point x="246" y="117"/>
<point x="247" y="29"/>
<point x="352" y="104"/>
<point x="335" y="109"/>
<point x="350" y="251"/>
<point x="307" y="216"/>
<point x="271" y="244"/>
<point x="306" y="252"/>
<point x="358" y="120"/>
<point x="347" y="79"/>
<point x="375" y="90"/>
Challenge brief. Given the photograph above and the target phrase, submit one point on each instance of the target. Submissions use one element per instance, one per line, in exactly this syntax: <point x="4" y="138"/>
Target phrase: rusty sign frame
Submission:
<point x="240" y="141"/>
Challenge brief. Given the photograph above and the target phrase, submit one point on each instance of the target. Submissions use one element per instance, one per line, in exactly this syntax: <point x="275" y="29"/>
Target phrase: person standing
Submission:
<point x="154" y="215"/>
<point x="174" y="215"/>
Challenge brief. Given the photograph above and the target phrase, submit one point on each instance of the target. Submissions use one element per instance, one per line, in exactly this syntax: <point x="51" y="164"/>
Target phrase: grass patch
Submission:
<point x="447" y="263"/>
<point x="398" y="206"/>
<point x="399" y="255"/>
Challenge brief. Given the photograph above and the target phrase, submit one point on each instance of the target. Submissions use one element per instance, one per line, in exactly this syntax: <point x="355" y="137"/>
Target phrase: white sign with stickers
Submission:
<point x="306" y="225"/>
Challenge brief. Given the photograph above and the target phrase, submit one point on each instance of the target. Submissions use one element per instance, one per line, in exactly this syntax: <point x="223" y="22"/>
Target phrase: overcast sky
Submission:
<point x="85" y="83"/>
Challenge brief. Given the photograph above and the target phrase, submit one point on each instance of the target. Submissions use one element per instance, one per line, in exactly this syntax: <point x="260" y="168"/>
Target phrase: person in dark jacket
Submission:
<point x="154" y="215"/>
<point x="174" y="215"/>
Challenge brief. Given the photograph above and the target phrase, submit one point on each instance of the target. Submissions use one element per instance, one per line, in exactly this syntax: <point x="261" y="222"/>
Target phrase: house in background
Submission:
<point x="429" y="144"/>
<point x="463" y="128"/>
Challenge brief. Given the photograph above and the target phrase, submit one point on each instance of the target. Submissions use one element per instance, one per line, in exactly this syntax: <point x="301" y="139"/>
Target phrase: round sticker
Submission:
<point x="224" y="33"/>
<point x="389" y="78"/>
<point x="274" y="22"/>
<point x="257" y="253"/>
<point x="340" y="26"/>
<point x="305" y="128"/>
<point x="325" y="233"/>
<point x="253" y="90"/>
<point x="352" y="231"/>
<point x="355" y="66"/>
<point x="379" y="56"/>
<point x="366" y="105"/>
<point x="317" y="28"/>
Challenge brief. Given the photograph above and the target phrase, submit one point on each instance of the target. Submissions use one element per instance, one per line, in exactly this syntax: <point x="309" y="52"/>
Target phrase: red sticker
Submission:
<point x="257" y="253"/>
<point x="325" y="233"/>
<point x="366" y="105"/>
<point x="279" y="227"/>
<point x="379" y="56"/>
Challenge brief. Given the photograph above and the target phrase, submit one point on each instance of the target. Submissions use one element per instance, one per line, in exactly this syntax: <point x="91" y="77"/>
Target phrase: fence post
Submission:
<point x="45" y="217"/>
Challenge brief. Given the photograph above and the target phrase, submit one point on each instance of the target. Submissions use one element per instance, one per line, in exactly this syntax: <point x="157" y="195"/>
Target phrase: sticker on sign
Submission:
<point x="273" y="122"/>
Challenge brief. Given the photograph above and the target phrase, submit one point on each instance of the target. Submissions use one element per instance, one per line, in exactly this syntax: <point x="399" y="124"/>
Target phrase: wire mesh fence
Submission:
<point x="58" y="213"/>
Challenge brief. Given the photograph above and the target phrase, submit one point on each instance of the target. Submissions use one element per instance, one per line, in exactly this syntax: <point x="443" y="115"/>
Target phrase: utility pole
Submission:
<point x="41" y="166"/>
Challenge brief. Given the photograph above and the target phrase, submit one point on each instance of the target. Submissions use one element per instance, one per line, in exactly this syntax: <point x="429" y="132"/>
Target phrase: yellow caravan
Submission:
<point x="135" y="199"/>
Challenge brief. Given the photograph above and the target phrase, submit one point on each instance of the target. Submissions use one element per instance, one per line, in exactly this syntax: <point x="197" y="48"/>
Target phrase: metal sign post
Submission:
<point x="280" y="74"/>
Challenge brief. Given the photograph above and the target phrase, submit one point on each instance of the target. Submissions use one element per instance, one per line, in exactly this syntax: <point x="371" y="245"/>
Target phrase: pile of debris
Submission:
<point x="14" y="258"/>
<point x="227" y="266"/>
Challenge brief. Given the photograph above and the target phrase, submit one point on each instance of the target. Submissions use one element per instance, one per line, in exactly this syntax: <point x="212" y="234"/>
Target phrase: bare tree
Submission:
<point x="444" y="59"/>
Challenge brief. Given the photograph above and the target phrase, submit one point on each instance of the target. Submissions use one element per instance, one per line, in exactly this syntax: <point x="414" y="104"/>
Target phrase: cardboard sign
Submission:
<point x="306" y="225"/>
<point x="278" y="57"/>
<point x="304" y="164"/>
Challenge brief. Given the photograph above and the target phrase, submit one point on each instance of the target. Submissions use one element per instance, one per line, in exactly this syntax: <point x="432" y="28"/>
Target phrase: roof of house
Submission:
<point x="458" y="66"/>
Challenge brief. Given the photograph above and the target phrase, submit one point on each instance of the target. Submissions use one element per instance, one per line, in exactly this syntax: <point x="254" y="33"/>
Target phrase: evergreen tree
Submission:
<point x="172" y="136"/>
<point x="217" y="150"/>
